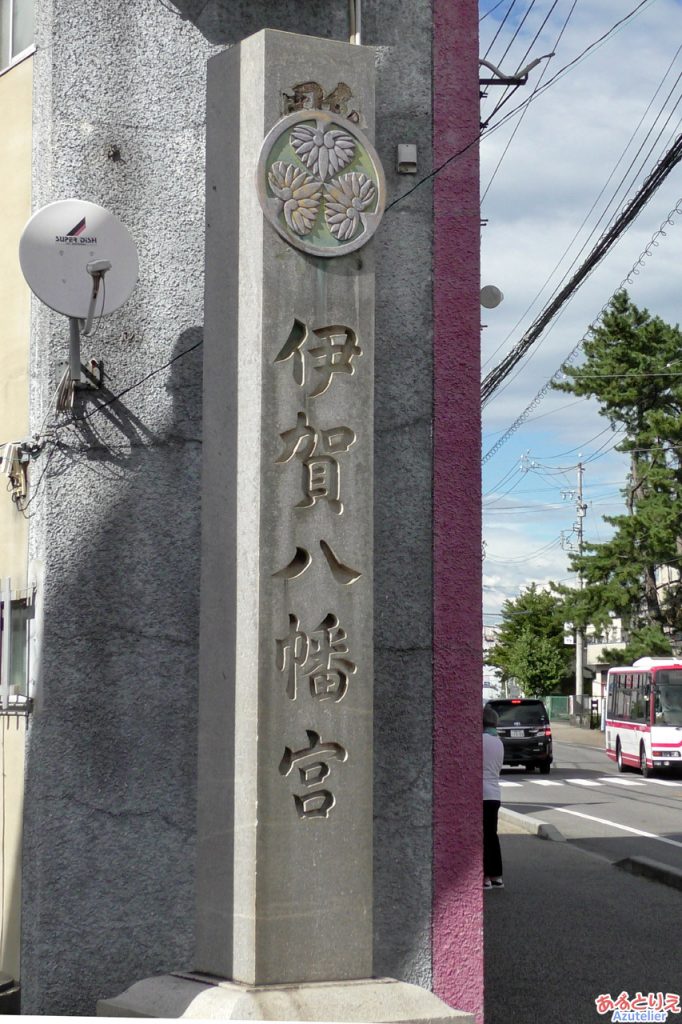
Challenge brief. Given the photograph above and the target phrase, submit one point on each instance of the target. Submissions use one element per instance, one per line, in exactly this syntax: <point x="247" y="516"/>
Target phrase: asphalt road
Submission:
<point x="569" y="926"/>
<point x="598" y="809"/>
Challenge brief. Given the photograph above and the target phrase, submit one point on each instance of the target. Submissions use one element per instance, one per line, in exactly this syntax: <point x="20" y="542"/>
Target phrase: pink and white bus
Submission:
<point x="644" y="715"/>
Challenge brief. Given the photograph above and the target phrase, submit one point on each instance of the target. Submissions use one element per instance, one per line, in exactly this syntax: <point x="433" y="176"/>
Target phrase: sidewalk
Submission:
<point x="566" y="733"/>
<point x="568" y="927"/>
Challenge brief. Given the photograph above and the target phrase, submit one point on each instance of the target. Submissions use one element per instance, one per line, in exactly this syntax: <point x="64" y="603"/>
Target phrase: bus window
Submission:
<point x="669" y="702"/>
<point x="637" y="708"/>
<point x="622" y="703"/>
<point x="646" y="698"/>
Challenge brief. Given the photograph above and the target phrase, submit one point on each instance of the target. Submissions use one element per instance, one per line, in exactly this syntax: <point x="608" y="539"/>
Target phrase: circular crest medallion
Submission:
<point x="320" y="183"/>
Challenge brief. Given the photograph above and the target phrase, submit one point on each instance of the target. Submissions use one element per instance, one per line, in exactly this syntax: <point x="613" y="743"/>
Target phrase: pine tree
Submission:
<point x="633" y="367"/>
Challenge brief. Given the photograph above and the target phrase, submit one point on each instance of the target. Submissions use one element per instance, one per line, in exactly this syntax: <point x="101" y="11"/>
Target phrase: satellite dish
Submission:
<point x="491" y="296"/>
<point x="80" y="261"/>
<point x="69" y="245"/>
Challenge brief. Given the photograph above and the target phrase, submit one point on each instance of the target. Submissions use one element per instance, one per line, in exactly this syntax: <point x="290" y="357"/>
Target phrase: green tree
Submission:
<point x="633" y="367"/>
<point x="645" y="641"/>
<point x="537" y="663"/>
<point x="530" y="644"/>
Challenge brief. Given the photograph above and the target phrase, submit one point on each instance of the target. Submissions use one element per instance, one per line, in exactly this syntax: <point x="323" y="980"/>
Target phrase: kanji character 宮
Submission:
<point x="313" y="768"/>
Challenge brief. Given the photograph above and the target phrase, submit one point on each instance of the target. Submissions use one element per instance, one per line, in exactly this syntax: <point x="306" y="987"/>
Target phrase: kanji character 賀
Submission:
<point x="316" y="450"/>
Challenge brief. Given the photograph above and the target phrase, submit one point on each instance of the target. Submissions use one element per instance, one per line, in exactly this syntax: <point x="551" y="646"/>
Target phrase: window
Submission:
<point x="16" y="30"/>
<point x="623" y="700"/>
<point x="15" y="617"/>
<point x="638" y="711"/>
<point x="669" y="697"/>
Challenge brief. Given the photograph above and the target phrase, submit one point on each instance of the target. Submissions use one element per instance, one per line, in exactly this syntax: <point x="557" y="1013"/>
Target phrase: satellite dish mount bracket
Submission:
<point x="91" y="376"/>
<point x="81" y="376"/>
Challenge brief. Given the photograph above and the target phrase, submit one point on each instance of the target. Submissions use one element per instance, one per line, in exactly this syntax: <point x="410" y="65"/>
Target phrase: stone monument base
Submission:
<point x="198" y="996"/>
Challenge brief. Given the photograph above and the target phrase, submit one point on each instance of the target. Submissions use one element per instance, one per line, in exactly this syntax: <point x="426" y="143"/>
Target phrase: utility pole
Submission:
<point x="581" y="509"/>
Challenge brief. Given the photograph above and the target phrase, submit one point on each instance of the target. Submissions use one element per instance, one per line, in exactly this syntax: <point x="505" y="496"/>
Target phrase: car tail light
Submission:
<point x="548" y="731"/>
<point x="516" y="702"/>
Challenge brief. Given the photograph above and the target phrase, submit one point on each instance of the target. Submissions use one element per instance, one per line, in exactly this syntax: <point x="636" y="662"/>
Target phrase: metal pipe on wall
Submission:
<point x="356" y="22"/>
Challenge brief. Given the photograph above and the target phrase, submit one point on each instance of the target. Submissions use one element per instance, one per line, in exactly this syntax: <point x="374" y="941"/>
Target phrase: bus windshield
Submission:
<point x="669" y="698"/>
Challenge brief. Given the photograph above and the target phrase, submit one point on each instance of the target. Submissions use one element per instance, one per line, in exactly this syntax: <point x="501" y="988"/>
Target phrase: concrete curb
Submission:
<point x="653" y="869"/>
<point x="533" y="825"/>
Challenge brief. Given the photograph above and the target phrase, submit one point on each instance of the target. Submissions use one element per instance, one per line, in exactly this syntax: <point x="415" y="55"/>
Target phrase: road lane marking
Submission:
<point x="621" y="782"/>
<point x="604" y="780"/>
<point x="623" y="828"/>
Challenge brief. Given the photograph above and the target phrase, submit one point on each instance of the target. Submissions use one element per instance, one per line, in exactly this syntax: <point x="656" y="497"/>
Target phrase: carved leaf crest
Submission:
<point x="347" y="197"/>
<point x="323" y="152"/>
<point x="298" y="193"/>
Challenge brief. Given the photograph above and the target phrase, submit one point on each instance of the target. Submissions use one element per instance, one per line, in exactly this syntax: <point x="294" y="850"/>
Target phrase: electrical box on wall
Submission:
<point x="407" y="159"/>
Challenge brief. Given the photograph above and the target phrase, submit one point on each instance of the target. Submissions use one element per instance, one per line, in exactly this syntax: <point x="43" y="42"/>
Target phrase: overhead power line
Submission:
<point x="484" y="16"/>
<point x="655" y="179"/>
<point x="500" y="27"/>
<point x="611" y="201"/>
<point x="488" y="129"/>
<point x="576" y="60"/>
<point x="575" y="351"/>
<point x="508" y="94"/>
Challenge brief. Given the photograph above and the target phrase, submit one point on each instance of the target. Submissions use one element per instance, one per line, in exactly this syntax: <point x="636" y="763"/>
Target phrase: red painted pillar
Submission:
<point x="457" y="872"/>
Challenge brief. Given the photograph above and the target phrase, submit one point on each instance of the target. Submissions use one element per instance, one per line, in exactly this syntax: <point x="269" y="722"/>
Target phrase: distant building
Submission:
<point x="17" y="589"/>
<point x="492" y="681"/>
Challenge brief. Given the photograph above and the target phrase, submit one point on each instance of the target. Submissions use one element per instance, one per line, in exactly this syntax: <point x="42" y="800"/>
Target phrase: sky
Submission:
<point x="543" y="198"/>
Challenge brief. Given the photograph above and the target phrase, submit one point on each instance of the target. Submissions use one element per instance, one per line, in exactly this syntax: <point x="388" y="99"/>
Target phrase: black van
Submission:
<point x="525" y="731"/>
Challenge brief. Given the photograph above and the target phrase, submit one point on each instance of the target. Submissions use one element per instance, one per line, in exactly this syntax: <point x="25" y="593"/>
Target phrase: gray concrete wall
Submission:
<point x="110" y="784"/>
<point x="402" y="501"/>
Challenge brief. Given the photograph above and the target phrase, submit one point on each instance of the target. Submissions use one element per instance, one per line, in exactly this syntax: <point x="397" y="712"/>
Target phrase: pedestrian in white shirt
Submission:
<point x="493" y="756"/>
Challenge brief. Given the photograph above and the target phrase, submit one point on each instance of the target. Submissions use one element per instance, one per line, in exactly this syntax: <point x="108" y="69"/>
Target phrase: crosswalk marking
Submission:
<point x="620" y="782"/>
<point x="603" y="780"/>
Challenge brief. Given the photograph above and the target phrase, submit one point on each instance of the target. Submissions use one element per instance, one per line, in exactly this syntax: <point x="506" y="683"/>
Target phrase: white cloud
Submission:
<point x="557" y="163"/>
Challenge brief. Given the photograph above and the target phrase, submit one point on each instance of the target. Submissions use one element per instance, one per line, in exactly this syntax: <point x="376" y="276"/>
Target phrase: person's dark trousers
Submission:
<point x="492" y="856"/>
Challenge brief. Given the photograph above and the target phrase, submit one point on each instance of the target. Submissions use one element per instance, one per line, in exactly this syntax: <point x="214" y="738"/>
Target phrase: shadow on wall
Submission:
<point x="224" y="22"/>
<point x="111" y="769"/>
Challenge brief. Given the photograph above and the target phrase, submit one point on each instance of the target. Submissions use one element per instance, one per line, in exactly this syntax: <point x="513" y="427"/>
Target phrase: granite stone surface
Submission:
<point x="288" y="427"/>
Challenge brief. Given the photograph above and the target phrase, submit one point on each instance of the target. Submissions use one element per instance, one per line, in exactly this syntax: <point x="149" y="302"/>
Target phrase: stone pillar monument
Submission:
<point x="285" y="846"/>
<point x="295" y="191"/>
